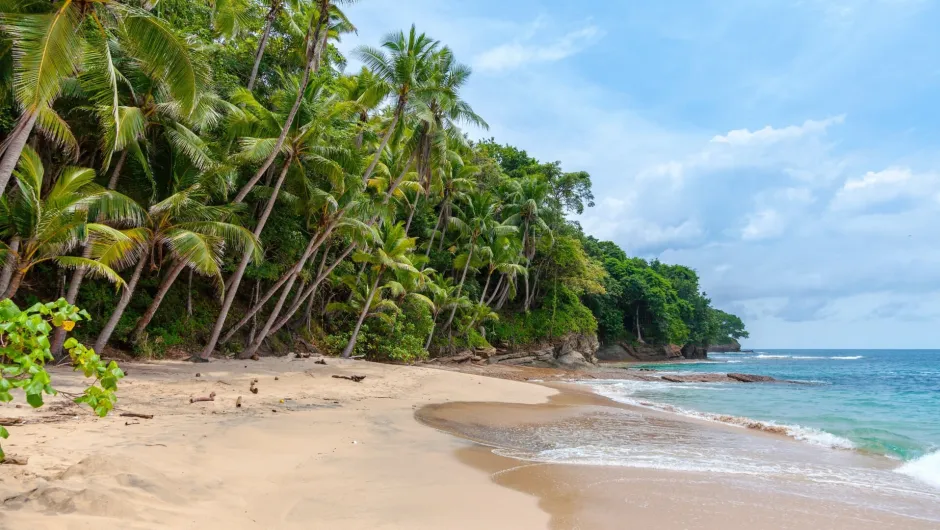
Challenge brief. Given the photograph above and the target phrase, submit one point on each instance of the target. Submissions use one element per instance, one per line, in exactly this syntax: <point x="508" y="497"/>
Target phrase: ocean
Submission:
<point x="861" y="424"/>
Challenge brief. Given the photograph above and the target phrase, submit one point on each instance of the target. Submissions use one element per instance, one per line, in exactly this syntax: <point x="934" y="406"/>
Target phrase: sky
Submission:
<point x="788" y="150"/>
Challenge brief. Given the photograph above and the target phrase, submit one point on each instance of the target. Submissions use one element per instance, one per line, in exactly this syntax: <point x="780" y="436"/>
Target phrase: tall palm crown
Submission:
<point x="55" y="41"/>
<point x="404" y="66"/>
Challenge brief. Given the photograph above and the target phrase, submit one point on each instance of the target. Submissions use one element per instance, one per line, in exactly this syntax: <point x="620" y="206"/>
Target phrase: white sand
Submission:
<point x="336" y="454"/>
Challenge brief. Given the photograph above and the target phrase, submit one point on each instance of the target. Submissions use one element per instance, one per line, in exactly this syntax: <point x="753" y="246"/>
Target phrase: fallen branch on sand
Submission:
<point x="136" y="415"/>
<point x="354" y="378"/>
<point x="9" y="422"/>
<point x="210" y="397"/>
<point x="15" y="460"/>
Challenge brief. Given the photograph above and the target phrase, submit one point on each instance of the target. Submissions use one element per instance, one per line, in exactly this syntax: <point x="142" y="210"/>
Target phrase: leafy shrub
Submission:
<point x="25" y="349"/>
<point x="401" y="340"/>
<point x="561" y="313"/>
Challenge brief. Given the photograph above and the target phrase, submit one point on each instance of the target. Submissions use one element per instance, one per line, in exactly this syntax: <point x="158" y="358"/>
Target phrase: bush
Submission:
<point x="400" y="340"/>
<point x="562" y="313"/>
<point x="25" y="349"/>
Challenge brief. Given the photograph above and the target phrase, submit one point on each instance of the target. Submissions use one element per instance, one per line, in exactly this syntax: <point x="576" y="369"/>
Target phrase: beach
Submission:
<point x="407" y="447"/>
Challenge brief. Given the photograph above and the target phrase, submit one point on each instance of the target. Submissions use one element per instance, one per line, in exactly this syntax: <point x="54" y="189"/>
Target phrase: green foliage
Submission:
<point x="562" y="313"/>
<point x="399" y="339"/>
<point x="25" y="349"/>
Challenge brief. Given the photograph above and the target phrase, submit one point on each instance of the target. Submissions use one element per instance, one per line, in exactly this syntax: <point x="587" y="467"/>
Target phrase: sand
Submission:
<point x="394" y="451"/>
<point x="308" y="451"/>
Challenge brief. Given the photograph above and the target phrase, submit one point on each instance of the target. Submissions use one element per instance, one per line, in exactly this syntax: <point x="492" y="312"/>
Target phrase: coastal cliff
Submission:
<point x="734" y="346"/>
<point x="574" y="350"/>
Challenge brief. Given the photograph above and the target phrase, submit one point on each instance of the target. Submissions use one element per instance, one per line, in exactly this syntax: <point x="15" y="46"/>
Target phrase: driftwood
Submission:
<point x="136" y="415"/>
<point x="15" y="460"/>
<point x="210" y="397"/>
<point x="7" y="422"/>
<point x="320" y="361"/>
<point x="459" y="358"/>
<point x="238" y="402"/>
<point x="354" y="378"/>
<point x="252" y="387"/>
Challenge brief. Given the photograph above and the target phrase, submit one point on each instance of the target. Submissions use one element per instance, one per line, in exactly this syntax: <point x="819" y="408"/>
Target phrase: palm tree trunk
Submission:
<point x="263" y="43"/>
<point x="401" y="177"/>
<point x="639" y="336"/>
<point x="10" y="265"/>
<point x="108" y="329"/>
<point x="240" y="271"/>
<point x="496" y="289"/>
<point x="427" y="344"/>
<point x="14" y="148"/>
<point x="486" y="285"/>
<point x="440" y="218"/>
<point x="116" y="172"/>
<point x="15" y="282"/>
<point x="311" y="64"/>
<point x="157" y="300"/>
<point x="314" y="244"/>
<point x="399" y="109"/>
<point x="58" y="338"/>
<point x="463" y="277"/>
<point x="310" y="290"/>
<point x="414" y="208"/>
<point x="351" y="345"/>
<point x="254" y="321"/>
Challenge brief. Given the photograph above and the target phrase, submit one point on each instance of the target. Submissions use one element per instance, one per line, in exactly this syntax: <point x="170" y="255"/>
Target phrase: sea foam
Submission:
<point x="925" y="469"/>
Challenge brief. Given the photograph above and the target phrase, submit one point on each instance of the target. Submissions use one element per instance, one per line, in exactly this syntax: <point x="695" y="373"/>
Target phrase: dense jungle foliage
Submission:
<point x="212" y="177"/>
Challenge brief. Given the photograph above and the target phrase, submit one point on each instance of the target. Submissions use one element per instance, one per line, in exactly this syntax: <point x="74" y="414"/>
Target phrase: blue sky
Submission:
<point x="788" y="150"/>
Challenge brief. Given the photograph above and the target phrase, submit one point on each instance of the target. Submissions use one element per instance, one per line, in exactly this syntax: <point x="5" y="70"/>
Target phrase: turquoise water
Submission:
<point x="880" y="401"/>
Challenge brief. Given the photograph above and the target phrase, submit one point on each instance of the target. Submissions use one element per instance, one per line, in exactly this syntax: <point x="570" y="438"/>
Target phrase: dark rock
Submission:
<point x="691" y="351"/>
<point x="574" y="350"/>
<point x="750" y="378"/>
<point x="622" y="351"/>
<point x="717" y="348"/>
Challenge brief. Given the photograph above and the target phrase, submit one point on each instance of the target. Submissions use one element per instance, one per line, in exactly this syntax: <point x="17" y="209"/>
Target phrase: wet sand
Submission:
<point x="606" y="497"/>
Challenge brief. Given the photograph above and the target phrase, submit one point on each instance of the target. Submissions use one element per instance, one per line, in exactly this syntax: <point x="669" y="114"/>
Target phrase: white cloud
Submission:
<point x="769" y="135"/>
<point x="878" y="187"/>
<point x="764" y="224"/>
<point x="513" y="55"/>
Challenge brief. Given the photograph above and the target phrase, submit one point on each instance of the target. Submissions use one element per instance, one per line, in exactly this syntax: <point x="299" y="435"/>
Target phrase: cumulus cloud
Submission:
<point x="770" y="135"/>
<point x="763" y="225"/>
<point x="513" y="55"/>
<point x="879" y="187"/>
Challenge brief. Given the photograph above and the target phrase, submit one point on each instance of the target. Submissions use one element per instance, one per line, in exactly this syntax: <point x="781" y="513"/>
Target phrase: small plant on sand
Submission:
<point x="24" y="351"/>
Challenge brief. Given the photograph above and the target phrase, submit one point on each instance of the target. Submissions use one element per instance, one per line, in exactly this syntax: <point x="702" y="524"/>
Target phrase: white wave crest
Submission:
<point x="849" y="357"/>
<point x="811" y="357"/>
<point x="624" y="394"/>
<point x="925" y="469"/>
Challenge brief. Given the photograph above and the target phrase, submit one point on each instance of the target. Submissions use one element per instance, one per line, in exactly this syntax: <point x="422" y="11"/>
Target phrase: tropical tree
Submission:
<point x="192" y="234"/>
<point x="404" y="69"/>
<point x="49" y="225"/>
<point x="392" y="254"/>
<point x="54" y="41"/>
<point x="476" y="216"/>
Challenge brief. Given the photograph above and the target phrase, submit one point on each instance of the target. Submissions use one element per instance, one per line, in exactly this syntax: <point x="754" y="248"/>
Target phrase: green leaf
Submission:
<point x="35" y="400"/>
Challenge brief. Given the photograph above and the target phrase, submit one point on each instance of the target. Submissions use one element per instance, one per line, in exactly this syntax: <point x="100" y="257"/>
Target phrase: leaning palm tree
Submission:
<point x="48" y="225"/>
<point x="474" y="218"/>
<point x="392" y="254"/>
<point x="70" y="37"/>
<point x="526" y="199"/>
<point x="440" y="292"/>
<point x="194" y="234"/>
<point x="404" y="70"/>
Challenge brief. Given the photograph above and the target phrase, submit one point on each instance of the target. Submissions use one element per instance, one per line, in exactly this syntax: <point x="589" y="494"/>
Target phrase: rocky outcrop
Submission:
<point x="571" y="351"/>
<point x="691" y="351"/>
<point x="622" y="351"/>
<point x="733" y="346"/>
<point x="751" y="378"/>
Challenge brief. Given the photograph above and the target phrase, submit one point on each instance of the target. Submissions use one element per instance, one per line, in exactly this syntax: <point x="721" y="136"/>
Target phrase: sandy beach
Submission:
<point x="313" y="451"/>
<point x="308" y="451"/>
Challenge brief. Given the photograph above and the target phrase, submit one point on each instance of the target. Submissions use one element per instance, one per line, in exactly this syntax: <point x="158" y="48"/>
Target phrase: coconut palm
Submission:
<point x="50" y="224"/>
<point x="440" y="292"/>
<point x="393" y="253"/>
<point x="50" y="45"/>
<point x="404" y="70"/>
<point x="526" y="198"/>
<point x="475" y="217"/>
<point x="194" y="235"/>
<point x="307" y="146"/>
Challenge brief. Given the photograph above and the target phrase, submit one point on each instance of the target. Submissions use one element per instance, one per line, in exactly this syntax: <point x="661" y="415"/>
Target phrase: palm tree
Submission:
<point x="308" y="147"/>
<point x="194" y="235"/>
<point x="456" y="180"/>
<point x="441" y="291"/>
<point x="526" y="197"/>
<point x="50" y="46"/>
<point x="50" y="225"/>
<point x="476" y="217"/>
<point x="366" y="92"/>
<point x="392" y="254"/>
<point x="404" y="70"/>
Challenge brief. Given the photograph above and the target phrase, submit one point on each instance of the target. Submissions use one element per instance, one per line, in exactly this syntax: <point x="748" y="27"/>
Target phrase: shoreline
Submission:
<point x="600" y="496"/>
<point x="409" y="447"/>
